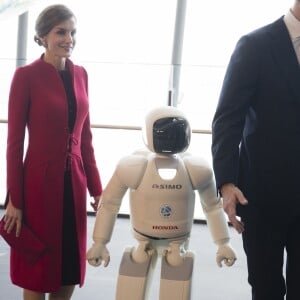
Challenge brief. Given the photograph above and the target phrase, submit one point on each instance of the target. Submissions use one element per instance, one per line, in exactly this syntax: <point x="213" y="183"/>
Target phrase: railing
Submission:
<point x="129" y="127"/>
<point x="200" y="146"/>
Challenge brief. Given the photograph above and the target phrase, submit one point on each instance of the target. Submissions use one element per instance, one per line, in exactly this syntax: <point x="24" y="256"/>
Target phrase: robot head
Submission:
<point x="166" y="130"/>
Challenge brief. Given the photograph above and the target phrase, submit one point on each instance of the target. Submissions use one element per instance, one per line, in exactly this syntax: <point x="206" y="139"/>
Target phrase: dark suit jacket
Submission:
<point x="256" y="127"/>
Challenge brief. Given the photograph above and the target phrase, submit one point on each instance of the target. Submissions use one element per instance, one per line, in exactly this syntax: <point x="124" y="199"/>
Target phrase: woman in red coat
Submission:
<point x="47" y="190"/>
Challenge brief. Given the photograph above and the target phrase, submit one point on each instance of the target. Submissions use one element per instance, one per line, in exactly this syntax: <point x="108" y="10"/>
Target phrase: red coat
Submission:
<point x="38" y="101"/>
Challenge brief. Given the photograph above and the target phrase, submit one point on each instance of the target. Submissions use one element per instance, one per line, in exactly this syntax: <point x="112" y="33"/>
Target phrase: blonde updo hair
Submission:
<point x="49" y="18"/>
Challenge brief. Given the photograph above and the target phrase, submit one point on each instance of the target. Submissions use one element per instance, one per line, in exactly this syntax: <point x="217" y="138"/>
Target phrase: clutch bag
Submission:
<point x="28" y="245"/>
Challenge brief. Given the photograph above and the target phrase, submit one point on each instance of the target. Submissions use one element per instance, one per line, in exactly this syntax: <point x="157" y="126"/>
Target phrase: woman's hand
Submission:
<point x="12" y="218"/>
<point x="95" y="203"/>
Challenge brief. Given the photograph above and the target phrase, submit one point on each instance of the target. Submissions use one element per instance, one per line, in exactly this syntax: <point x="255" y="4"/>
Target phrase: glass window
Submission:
<point x="8" y="50"/>
<point x="211" y="31"/>
<point x="126" y="47"/>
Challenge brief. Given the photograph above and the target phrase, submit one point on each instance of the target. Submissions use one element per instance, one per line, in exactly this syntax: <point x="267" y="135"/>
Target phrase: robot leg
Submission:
<point x="176" y="274"/>
<point x="134" y="273"/>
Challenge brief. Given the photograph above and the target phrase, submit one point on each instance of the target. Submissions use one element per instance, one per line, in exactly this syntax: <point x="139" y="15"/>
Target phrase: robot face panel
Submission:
<point x="166" y="130"/>
<point x="171" y="135"/>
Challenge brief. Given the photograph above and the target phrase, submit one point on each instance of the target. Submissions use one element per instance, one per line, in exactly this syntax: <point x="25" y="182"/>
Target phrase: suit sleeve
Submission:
<point x="238" y="90"/>
<point x="18" y="107"/>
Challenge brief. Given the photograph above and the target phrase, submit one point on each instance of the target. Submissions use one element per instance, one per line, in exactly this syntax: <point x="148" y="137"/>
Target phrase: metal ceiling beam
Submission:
<point x="21" y="58"/>
<point x="177" y="53"/>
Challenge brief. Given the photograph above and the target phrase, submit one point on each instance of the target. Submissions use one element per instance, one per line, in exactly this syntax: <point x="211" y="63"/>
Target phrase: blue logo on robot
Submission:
<point x="166" y="210"/>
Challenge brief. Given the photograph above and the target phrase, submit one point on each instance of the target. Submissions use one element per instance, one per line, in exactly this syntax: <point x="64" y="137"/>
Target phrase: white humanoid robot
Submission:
<point x="162" y="182"/>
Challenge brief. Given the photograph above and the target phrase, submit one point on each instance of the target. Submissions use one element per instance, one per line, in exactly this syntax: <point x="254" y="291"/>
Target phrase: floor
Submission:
<point x="209" y="281"/>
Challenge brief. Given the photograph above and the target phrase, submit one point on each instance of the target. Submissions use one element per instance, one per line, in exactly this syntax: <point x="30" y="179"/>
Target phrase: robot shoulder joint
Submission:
<point x="130" y="170"/>
<point x="199" y="171"/>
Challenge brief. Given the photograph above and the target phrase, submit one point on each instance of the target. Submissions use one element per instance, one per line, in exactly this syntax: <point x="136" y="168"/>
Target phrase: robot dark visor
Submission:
<point x="171" y="135"/>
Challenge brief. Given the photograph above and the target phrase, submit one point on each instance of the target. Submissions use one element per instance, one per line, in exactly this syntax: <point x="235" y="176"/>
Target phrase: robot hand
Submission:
<point x="225" y="254"/>
<point x="98" y="253"/>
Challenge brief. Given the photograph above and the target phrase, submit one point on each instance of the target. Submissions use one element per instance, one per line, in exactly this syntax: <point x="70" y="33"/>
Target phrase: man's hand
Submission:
<point x="231" y="197"/>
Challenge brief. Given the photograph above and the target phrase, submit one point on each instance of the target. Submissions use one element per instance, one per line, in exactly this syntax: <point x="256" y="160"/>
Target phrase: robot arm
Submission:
<point x="127" y="175"/>
<point x="202" y="179"/>
<point x="218" y="227"/>
<point x="105" y="220"/>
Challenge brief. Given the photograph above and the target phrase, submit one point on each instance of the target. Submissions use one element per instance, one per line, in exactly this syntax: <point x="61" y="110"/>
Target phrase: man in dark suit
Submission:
<point x="256" y="154"/>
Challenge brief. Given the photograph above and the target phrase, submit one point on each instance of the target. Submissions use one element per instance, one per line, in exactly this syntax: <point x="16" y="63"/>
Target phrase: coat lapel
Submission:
<point x="284" y="54"/>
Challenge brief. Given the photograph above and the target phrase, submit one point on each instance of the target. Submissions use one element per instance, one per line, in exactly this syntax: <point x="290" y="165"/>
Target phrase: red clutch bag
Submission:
<point x="28" y="245"/>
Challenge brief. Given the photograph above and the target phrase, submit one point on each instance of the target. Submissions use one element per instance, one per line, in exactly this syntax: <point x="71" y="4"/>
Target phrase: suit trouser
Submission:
<point x="272" y="244"/>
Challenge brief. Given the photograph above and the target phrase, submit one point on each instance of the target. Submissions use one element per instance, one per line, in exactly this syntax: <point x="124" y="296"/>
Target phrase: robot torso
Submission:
<point x="163" y="208"/>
